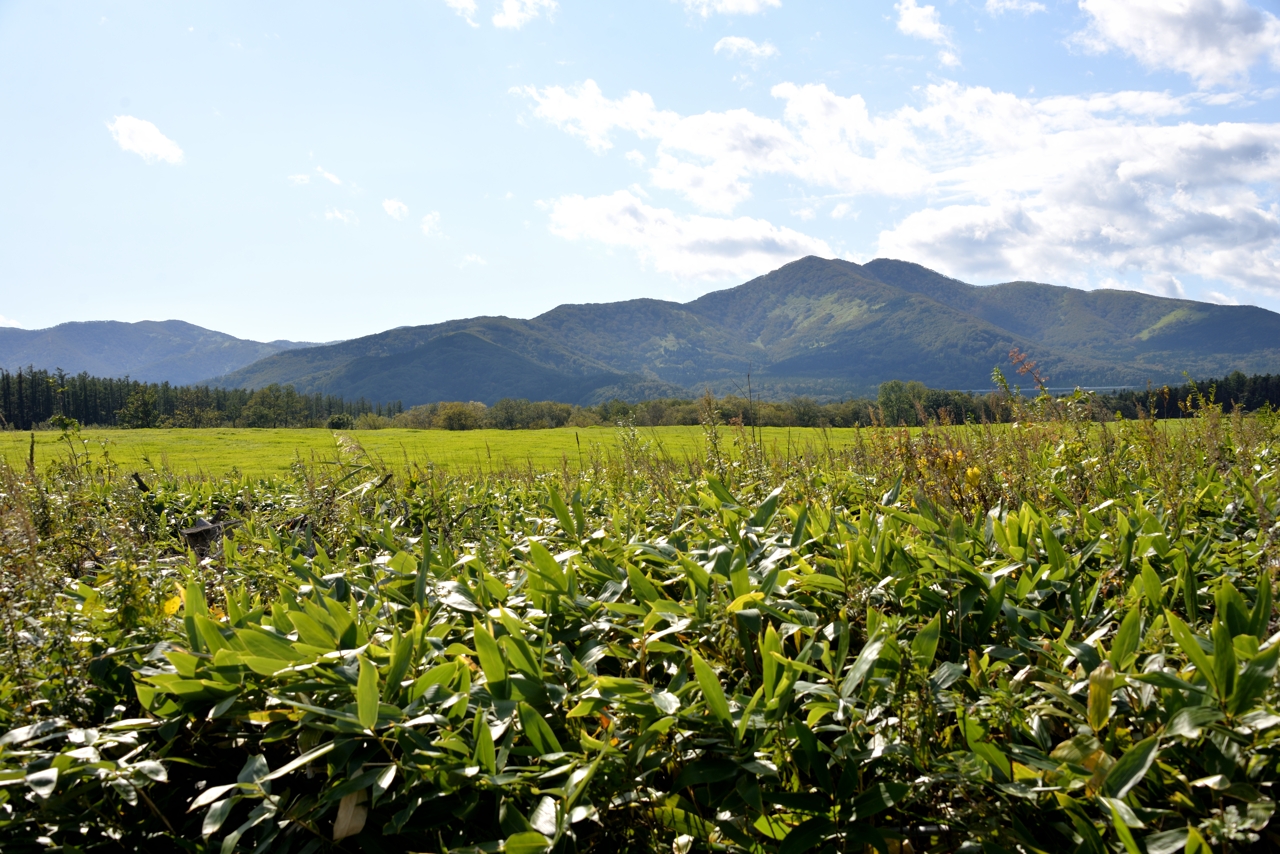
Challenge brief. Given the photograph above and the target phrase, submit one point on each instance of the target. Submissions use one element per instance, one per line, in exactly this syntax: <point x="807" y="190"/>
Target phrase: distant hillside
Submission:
<point x="150" y="350"/>
<point x="817" y="327"/>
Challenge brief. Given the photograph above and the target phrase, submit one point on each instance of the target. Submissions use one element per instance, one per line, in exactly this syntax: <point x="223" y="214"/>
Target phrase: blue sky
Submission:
<point x="317" y="171"/>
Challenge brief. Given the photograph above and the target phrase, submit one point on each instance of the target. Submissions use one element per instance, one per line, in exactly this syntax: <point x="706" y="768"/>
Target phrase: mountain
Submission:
<point x="150" y="350"/>
<point x="815" y="326"/>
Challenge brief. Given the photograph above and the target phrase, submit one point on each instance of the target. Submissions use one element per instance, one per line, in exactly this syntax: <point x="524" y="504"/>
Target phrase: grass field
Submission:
<point x="269" y="452"/>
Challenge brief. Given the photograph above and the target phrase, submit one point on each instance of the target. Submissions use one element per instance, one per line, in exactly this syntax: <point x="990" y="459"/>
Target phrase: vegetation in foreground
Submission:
<point x="1046" y="638"/>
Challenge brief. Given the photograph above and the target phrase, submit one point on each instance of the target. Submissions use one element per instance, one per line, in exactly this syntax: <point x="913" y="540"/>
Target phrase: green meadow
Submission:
<point x="267" y="452"/>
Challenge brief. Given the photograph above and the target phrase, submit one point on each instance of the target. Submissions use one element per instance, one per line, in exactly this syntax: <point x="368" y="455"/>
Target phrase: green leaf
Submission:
<point x="877" y="799"/>
<point x="526" y="842"/>
<point x="1189" y="645"/>
<point x="562" y="514"/>
<point x="1131" y="768"/>
<point x="862" y="665"/>
<point x="1151" y="587"/>
<point x="367" y="694"/>
<point x="484" y="755"/>
<point x="641" y="586"/>
<point x="290" y="767"/>
<point x="495" y="669"/>
<point x="1123" y="831"/>
<point x="717" y="704"/>
<point x="1260" y="616"/>
<point x="1224" y="659"/>
<point x="924" y="646"/>
<point x="216" y="815"/>
<point x="806" y="835"/>
<point x="1127" y="637"/>
<point x="1258" y="676"/>
<point x="1101" y="683"/>
<point x="538" y="731"/>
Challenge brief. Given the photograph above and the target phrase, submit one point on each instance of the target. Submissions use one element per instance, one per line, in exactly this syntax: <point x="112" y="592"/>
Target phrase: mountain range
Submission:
<point x="150" y="350"/>
<point x="820" y="327"/>
<point x="815" y="326"/>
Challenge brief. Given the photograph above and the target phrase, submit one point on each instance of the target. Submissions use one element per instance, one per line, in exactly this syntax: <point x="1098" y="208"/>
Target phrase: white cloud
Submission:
<point x="300" y="179"/>
<point x="686" y="247"/>
<point x="469" y="260"/>
<point x="395" y="208"/>
<point x="514" y="14"/>
<point x="1220" y="298"/>
<point x="922" y="22"/>
<point x="636" y="158"/>
<point x="1216" y="42"/>
<point x="730" y="7"/>
<point x="948" y="58"/>
<point x="997" y="7"/>
<point x="144" y="139"/>
<point x="741" y="46"/>
<point x="465" y="8"/>
<point x="431" y="223"/>
<point x="9" y="322"/>
<point x="844" y="210"/>
<point x="996" y="185"/>
<point x="329" y="176"/>
<point x="347" y="217"/>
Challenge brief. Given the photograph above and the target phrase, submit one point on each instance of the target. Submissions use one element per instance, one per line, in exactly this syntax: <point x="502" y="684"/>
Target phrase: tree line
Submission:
<point x="31" y="398"/>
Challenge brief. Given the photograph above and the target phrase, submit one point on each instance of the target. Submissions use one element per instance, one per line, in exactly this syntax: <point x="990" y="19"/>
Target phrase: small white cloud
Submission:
<point x="509" y="196"/>
<point x="922" y="22"/>
<point x="1220" y="298"/>
<point x="431" y="224"/>
<point x="844" y="210"/>
<point x="729" y="7"/>
<point x="1026" y="7"/>
<point x="805" y="214"/>
<point x="751" y="52"/>
<point x="347" y="217"/>
<point x="395" y="208"/>
<point x="514" y="14"/>
<point x="636" y="159"/>
<point x="948" y="58"/>
<point x="468" y="260"/>
<point x="329" y="176"/>
<point x="700" y="247"/>
<point x="465" y="8"/>
<point x="144" y="139"/>
<point x="9" y="322"/>
<point x="300" y="179"/>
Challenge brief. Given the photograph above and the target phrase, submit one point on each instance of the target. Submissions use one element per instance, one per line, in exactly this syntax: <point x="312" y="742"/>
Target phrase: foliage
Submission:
<point x="1057" y="636"/>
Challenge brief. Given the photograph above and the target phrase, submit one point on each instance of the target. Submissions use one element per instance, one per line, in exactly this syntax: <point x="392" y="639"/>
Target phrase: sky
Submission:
<point x="318" y="171"/>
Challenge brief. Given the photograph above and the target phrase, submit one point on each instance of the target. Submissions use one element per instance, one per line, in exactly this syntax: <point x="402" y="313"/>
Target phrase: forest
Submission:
<point x="37" y="399"/>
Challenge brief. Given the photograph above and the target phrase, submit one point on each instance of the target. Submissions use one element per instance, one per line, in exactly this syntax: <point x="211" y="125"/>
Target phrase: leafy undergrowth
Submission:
<point x="1054" y="637"/>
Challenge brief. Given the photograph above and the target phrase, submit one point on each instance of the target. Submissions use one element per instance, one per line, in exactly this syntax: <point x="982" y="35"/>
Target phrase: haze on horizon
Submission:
<point x="319" y="171"/>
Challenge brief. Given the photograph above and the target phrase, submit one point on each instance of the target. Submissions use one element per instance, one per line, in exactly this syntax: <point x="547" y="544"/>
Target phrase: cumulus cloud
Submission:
<point x="997" y="7"/>
<point x="1215" y="42"/>
<point x="347" y="217"/>
<point x="465" y="8"/>
<point x="751" y="52"/>
<point x="9" y="322"/>
<point x="514" y="14"/>
<point x="706" y="8"/>
<point x="300" y="179"/>
<point x="395" y="208"/>
<point x="682" y="246"/>
<point x="144" y="139"/>
<point x="1001" y="185"/>
<point x="431" y="224"/>
<point x="922" y="22"/>
<point x="328" y="176"/>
